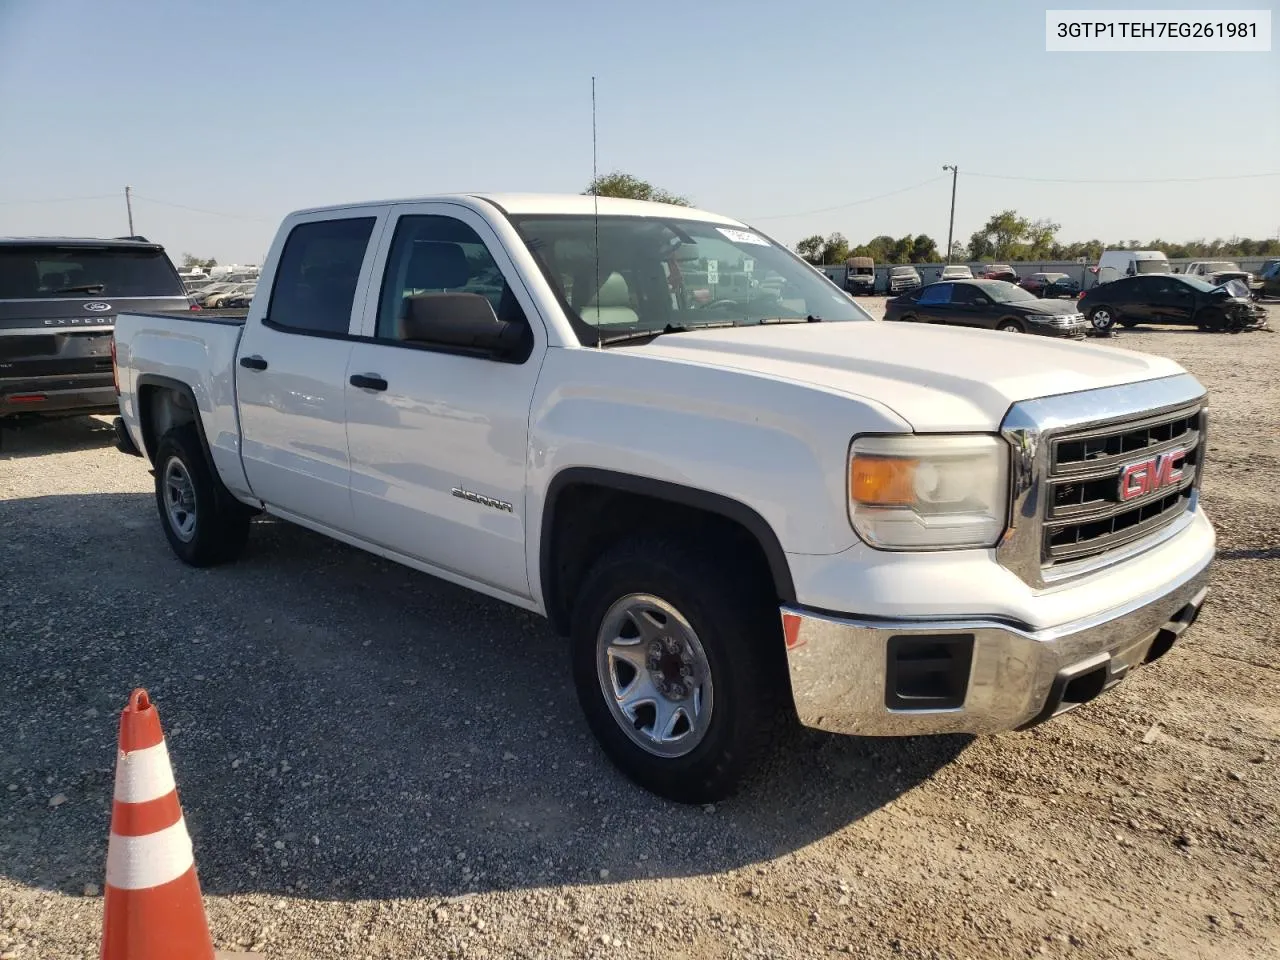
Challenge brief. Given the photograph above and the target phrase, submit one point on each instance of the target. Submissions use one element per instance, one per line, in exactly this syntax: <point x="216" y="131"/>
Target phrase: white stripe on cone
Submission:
<point x="144" y="774"/>
<point x="136" y="863"/>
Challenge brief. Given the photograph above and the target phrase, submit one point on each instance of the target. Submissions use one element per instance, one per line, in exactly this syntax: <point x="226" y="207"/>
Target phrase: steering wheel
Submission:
<point x="719" y="303"/>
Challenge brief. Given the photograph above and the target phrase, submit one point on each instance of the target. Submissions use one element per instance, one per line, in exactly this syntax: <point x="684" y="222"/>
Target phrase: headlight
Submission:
<point x="921" y="492"/>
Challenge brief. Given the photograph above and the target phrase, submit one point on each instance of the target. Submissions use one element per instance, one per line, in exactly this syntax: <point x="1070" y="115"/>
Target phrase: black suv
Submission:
<point x="1170" y="298"/>
<point x="58" y="301"/>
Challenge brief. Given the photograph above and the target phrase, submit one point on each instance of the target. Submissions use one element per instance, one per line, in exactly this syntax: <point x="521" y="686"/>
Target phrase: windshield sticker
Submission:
<point x="743" y="236"/>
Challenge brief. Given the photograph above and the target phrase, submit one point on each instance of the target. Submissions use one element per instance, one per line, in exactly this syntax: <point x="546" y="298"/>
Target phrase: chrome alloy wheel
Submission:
<point x="654" y="675"/>
<point x="179" y="500"/>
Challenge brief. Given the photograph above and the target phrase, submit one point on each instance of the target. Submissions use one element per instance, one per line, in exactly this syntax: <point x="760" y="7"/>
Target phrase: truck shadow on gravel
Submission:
<point x="36" y="438"/>
<point x="344" y="728"/>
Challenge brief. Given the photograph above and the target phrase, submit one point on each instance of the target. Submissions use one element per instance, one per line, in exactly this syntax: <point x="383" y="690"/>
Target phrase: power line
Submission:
<point x="1239" y="176"/>
<point x="851" y="203"/>
<point x="212" y="213"/>
<point x="101" y="196"/>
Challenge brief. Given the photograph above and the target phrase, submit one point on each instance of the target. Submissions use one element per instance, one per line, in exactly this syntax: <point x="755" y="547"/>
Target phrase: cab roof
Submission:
<point x="553" y="204"/>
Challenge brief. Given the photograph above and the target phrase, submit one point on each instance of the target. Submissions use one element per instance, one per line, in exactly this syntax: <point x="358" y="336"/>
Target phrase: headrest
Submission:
<point x="437" y="266"/>
<point x="613" y="293"/>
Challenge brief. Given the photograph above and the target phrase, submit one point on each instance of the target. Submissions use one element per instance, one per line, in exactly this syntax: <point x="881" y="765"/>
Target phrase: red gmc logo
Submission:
<point x="1148" y="476"/>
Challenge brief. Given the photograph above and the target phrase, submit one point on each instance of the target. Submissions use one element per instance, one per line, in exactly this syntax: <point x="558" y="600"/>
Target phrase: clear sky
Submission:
<point x="755" y="109"/>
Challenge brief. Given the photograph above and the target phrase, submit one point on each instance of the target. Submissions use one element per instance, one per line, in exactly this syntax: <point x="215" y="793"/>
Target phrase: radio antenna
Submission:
<point x="595" y="202"/>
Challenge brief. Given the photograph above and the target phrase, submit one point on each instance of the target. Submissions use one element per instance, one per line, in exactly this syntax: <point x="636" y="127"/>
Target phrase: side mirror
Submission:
<point x="462" y="320"/>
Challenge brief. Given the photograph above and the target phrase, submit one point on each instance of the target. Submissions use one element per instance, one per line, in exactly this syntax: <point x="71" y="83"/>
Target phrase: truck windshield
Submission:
<point x="1151" y="266"/>
<point x="39" y="271"/>
<point x="665" y="274"/>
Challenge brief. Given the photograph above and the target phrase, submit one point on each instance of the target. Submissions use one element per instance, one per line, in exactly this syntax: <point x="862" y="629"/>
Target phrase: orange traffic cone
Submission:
<point x="152" y="905"/>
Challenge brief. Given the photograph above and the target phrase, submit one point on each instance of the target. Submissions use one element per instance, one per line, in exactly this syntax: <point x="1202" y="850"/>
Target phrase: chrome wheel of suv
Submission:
<point x="654" y="675"/>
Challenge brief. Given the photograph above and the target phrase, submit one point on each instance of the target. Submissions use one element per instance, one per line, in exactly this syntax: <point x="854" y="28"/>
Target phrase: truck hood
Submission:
<point x="936" y="378"/>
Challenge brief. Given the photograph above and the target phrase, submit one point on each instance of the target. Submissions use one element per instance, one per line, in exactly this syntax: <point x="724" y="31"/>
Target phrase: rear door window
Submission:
<point x="936" y="294"/>
<point x="51" y="272"/>
<point x="315" y="283"/>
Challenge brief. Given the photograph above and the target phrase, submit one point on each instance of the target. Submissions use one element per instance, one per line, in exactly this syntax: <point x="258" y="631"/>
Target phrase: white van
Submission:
<point x="1126" y="263"/>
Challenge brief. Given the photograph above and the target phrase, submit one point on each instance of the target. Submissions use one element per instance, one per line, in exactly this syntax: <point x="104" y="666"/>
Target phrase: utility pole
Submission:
<point x="951" y="225"/>
<point x="128" y="203"/>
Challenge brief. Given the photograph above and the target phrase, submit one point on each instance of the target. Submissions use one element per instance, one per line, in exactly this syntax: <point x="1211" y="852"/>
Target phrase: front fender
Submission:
<point x="777" y="447"/>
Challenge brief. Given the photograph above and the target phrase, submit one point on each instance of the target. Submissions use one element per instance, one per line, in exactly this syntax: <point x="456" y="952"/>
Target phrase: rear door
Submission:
<point x="1125" y="297"/>
<point x="291" y="376"/>
<point x="934" y="303"/>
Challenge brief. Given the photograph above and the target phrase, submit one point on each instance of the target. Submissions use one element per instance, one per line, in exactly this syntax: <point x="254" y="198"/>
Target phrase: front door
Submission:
<point x="439" y="439"/>
<point x="1172" y="301"/>
<point x="291" y="373"/>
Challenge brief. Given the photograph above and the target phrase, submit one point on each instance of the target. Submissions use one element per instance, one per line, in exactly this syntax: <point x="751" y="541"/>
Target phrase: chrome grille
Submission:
<point x="1068" y="451"/>
<point x="1085" y="516"/>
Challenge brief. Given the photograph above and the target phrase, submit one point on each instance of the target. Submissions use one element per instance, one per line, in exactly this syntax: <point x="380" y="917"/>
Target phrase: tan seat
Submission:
<point x="612" y="306"/>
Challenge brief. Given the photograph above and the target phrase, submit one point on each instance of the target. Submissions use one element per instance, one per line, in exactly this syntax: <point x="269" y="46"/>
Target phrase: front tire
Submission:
<point x="677" y="661"/>
<point x="204" y="524"/>
<point x="1010" y="326"/>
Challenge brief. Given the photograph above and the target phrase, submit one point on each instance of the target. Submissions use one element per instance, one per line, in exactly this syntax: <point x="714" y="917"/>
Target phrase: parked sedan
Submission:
<point x="1000" y="271"/>
<point x="219" y="299"/>
<point x="1171" y="298"/>
<point x="902" y="279"/>
<point x="991" y="304"/>
<point x="956" y="271"/>
<point x="1049" y="285"/>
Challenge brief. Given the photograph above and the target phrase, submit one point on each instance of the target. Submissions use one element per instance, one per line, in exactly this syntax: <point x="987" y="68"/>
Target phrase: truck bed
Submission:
<point x="231" y="317"/>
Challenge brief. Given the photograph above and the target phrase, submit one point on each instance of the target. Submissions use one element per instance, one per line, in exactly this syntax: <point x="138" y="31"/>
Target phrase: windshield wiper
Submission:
<point x="809" y="319"/>
<point x="659" y="331"/>
<point x="84" y="288"/>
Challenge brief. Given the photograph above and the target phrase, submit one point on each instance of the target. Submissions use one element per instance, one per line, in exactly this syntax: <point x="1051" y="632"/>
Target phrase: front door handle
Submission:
<point x="368" y="381"/>
<point x="254" y="362"/>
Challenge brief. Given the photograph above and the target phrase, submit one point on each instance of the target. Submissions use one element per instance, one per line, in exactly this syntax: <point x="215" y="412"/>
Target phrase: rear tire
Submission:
<point x="204" y="524"/>
<point x="1103" y="319"/>
<point x="707" y="649"/>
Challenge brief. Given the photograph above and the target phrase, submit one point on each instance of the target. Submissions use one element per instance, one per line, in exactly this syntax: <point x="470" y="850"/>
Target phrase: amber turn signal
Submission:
<point x="882" y="481"/>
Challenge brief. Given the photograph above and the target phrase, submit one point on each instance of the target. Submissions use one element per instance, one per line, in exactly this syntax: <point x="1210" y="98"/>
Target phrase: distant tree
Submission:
<point x="1040" y="239"/>
<point x="190" y="260"/>
<point x="981" y="247"/>
<point x="924" y="250"/>
<point x="810" y="248"/>
<point x="835" y="249"/>
<point x="818" y="249"/>
<point x="618" y="184"/>
<point x="959" y="252"/>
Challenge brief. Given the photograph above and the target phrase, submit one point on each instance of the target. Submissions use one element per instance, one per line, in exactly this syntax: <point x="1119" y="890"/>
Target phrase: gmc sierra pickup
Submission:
<point x="738" y="496"/>
<point x="58" y="301"/>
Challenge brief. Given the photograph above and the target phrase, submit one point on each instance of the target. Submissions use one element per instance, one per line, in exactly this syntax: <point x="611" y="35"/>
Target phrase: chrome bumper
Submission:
<point x="886" y="678"/>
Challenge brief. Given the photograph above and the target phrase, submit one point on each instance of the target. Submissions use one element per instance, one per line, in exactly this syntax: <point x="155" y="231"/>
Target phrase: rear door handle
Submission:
<point x="368" y="381"/>
<point x="254" y="362"/>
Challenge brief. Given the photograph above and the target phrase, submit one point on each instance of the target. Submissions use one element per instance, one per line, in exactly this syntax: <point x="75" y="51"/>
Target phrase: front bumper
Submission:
<point x="909" y="677"/>
<point x="1076" y="330"/>
<point x="58" y="396"/>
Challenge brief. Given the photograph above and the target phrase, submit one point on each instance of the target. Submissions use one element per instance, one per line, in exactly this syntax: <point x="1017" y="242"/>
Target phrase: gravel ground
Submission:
<point x="376" y="764"/>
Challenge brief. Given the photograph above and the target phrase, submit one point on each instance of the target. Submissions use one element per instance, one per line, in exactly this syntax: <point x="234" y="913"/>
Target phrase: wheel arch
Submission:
<point x="581" y="518"/>
<point x="165" y="403"/>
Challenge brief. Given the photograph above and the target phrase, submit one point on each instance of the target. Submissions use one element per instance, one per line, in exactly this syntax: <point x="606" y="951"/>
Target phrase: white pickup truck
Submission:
<point x="739" y="497"/>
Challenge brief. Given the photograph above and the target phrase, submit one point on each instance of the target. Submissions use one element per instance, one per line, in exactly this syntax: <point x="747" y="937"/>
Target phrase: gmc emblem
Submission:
<point x="1148" y="476"/>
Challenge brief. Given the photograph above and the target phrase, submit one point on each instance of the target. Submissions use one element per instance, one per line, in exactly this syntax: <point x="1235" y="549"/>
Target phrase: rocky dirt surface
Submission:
<point x="376" y="764"/>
